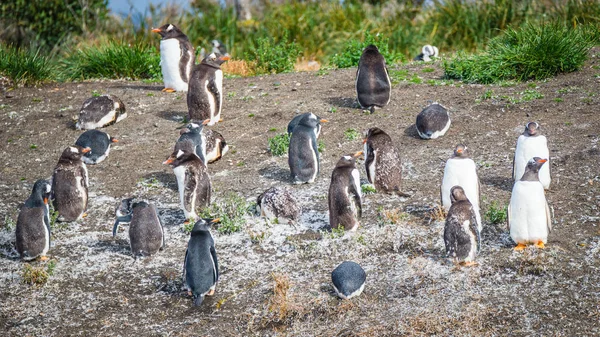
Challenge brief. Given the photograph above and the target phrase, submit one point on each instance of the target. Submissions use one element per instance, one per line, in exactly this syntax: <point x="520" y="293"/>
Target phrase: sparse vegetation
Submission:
<point x="25" y="66"/>
<point x="368" y="189"/>
<point x="350" y="56"/>
<point x="34" y="275"/>
<point x="9" y="223"/>
<point x="231" y="210"/>
<point x="279" y="144"/>
<point x="496" y="213"/>
<point x="351" y="134"/>
<point x="392" y="216"/>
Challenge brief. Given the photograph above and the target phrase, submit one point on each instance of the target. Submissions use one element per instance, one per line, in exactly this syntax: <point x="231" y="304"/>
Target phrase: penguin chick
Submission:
<point x="216" y="146"/>
<point x="531" y="144"/>
<point x="200" y="267"/>
<point x="382" y="162"/>
<point x="205" y="97"/>
<point x="292" y="124"/>
<point x="344" y="198"/>
<point x="33" y="223"/>
<point x="101" y="111"/>
<point x="427" y="52"/>
<point x="529" y="219"/>
<point x="176" y="58"/>
<point x="373" y="85"/>
<point x="70" y="184"/>
<point x="461" y="234"/>
<point x="348" y="279"/>
<point x="99" y="142"/>
<point x="278" y="203"/>
<point x="433" y="121"/>
<point x="146" y="234"/>
<point x="303" y="155"/>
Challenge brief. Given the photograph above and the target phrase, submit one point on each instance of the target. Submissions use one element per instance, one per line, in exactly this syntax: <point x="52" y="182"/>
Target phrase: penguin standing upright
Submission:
<point x="529" y="219"/>
<point x="433" y="121"/>
<point x="294" y="122"/>
<point x="278" y="203"/>
<point x="344" y="198"/>
<point x="348" y="279"/>
<point x="33" y="223"/>
<point x="461" y="234"/>
<point x="461" y="170"/>
<point x="99" y="143"/>
<point x="382" y="162"/>
<point x="193" y="181"/>
<point x="176" y="57"/>
<point x="146" y="234"/>
<point x="531" y="144"/>
<point x="70" y="184"/>
<point x="101" y="111"/>
<point x="205" y="97"/>
<point x="303" y="155"/>
<point x="200" y="267"/>
<point x="373" y="85"/>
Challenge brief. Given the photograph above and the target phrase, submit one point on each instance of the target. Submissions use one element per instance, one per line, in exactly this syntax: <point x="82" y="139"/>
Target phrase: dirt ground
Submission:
<point x="97" y="289"/>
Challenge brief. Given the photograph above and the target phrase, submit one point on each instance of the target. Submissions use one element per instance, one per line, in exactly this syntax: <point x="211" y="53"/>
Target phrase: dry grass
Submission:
<point x="279" y="302"/>
<point x="307" y="65"/>
<point x="393" y="216"/>
<point x="437" y="213"/>
<point x="34" y="275"/>
<point x="239" y="68"/>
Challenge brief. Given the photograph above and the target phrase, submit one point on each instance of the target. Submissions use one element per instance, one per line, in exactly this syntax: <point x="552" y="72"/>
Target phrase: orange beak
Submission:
<point x="45" y="201"/>
<point x="225" y="58"/>
<point x="358" y="154"/>
<point x="324" y="121"/>
<point x="364" y="140"/>
<point x="543" y="160"/>
<point x="156" y="30"/>
<point x="459" y="151"/>
<point x="86" y="150"/>
<point x="216" y="220"/>
<point x="168" y="161"/>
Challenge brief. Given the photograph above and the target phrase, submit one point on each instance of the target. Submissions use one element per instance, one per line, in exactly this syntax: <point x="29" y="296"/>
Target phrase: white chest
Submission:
<point x="170" y="57"/>
<point x="462" y="172"/>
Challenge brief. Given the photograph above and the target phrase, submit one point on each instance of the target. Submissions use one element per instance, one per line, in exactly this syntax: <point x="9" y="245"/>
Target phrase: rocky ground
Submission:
<point x="275" y="278"/>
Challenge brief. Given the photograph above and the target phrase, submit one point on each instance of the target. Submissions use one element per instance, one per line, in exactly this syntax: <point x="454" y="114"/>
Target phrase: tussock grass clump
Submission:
<point x="496" y="213"/>
<point x="26" y="66"/>
<point x="532" y="52"/>
<point x="239" y="68"/>
<point x="231" y="210"/>
<point x="279" y="144"/>
<point x="273" y="57"/>
<point x="350" y="56"/>
<point x="36" y="275"/>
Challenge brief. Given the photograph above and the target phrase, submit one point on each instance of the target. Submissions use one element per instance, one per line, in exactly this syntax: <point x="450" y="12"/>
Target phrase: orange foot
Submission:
<point x="44" y="258"/>
<point x="469" y="264"/>
<point x="540" y="245"/>
<point x="84" y="215"/>
<point x="211" y="292"/>
<point x="520" y="247"/>
<point x="168" y="90"/>
<point x="220" y="120"/>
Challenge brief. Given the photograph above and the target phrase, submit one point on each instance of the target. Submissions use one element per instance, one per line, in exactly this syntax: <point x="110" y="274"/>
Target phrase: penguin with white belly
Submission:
<point x="303" y="154"/>
<point x="216" y="146"/>
<point x="33" y="224"/>
<point x="176" y="57"/>
<point x="427" y="52"/>
<point x="344" y="198"/>
<point x="373" y="84"/>
<point x="146" y="234"/>
<point x="205" y="95"/>
<point x="99" y="142"/>
<point x="461" y="170"/>
<point x="382" y="161"/>
<point x="348" y="280"/>
<point x="529" y="219"/>
<point x="531" y="144"/>
<point x="461" y="235"/>
<point x="70" y="184"/>
<point x="201" y="267"/>
<point x="101" y="111"/>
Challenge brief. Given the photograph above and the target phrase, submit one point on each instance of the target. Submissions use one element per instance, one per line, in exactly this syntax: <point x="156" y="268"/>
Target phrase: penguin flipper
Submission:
<point x="548" y="217"/>
<point x="118" y="220"/>
<point x="356" y="197"/>
<point x="162" y="226"/>
<point x="475" y="229"/>
<point x="213" y="254"/>
<point x="212" y="87"/>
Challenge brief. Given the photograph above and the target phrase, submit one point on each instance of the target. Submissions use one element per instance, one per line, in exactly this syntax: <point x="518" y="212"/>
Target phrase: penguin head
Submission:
<point x="219" y="47"/>
<point x="461" y="151"/>
<point x="124" y="207"/>
<point x="215" y="60"/>
<point x="348" y="160"/>
<point x="371" y="55"/>
<point x="532" y="129"/>
<point x="534" y="164"/>
<point x="192" y="127"/>
<point x="73" y="153"/>
<point x="312" y="121"/>
<point x="168" y="31"/>
<point x="372" y="132"/>
<point x="41" y="189"/>
<point x="203" y="226"/>
<point x="457" y="193"/>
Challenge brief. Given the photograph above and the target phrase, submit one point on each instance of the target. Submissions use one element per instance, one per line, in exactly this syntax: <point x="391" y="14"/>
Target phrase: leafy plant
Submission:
<point x="351" y="134"/>
<point x="368" y="189"/>
<point x="230" y="210"/>
<point x="496" y="213"/>
<point x="320" y="146"/>
<point x="279" y="144"/>
<point x="274" y="57"/>
<point x="350" y="56"/>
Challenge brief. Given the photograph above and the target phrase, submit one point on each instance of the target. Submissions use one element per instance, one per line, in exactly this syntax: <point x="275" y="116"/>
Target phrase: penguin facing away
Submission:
<point x="373" y="84"/>
<point x="99" y="142"/>
<point x="529" y="219"/>
<point x="461" y="170"/>
<point x="101" y="111"/>
<point x="278" y="203"/>
<point x="176" y="58"/>
<point x="433" y="121"/>
<point x="344" y="198"/>
<point x="531" y="144"/>
<point x="205" y="96"/>
<point x="461" y="234"/>
<point x="146" y="234"/>
<point x="427" y="52"/>
<point x="194" y="132"/>
<point x="382" y="161"/>
<point x="348" y="279"/>
<point x="292" y="124"/>
<point x="70" y="184"/>
<point x="303" y="155"/>
<point x="200" y="267"/>
<point x="33" y="224"/>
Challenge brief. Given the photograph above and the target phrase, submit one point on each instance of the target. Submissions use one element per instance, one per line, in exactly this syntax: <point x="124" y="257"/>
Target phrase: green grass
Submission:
<point x="279" y="144"/>
<point x="35" y="275"/>
<point x="350" y="56"/>
<point x="351" y="134"/>
<point x="231" y="210"/>
<point x="26" y="67"/>
<point x="273" y="56"/>
<point x="368" y="189"/>
<point x="496" y="213"/>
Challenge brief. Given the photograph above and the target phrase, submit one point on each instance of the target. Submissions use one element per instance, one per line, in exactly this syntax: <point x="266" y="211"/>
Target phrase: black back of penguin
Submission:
<point x="460" y="244"/>
<point x="348" y="279"/>
<point x="100" y="111"/>
<point x="99" y="143"/>
<point x="433" y="121"/>
<point x="373" y="85"/>
<point x="146" y="235"/>
<point x="303" y="155"/>
<point x="193" y="133"/>
<point x="201" y="268"/>
<point x="33" y="224"/>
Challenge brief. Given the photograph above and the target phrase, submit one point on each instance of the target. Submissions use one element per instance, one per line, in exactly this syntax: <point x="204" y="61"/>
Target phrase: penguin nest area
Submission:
<point x="276" y="278"/>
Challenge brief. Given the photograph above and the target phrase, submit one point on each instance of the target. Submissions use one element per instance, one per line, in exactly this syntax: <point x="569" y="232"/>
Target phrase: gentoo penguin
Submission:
<point x="529" y="217"/>
<point x="348" y="279"/>
<point x="461" y="170"/>
<point x="194" y="133"/>
<point x="382" y="161"/>
<point x="427" y="53"/>
<point x="303" y="156"/>
<point x="217" y="47"/>
<point x="176" y="58"/>
<point x="461" y="234"/>
<point x="70" y="184"/>
<point x="200" y="268"/>
<point x="101" y="111"/>
<point x="292" y="124"/>
<point x="146" y="235"/>
<point x="205" y="97"/>
<point x="216" y="146"/>
<point x="373" y="85"/>
<point x="344" y="198"/>
<point x="531" y="144"/>
<point x="433" y="121"/>
<point x="193" y="181"/>
<point x="278" y="203"/>
<point x="33" y="223"/>
<point x="99" y="143"/>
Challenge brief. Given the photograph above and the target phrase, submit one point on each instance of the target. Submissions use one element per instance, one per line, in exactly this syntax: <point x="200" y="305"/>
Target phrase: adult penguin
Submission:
<point x="99" y="142"/>
<point x="176" y="57"/>
<point x="205" y="97"/>
<point x="344" y="197"/>
<point x="531" y="144"/>
<point x="373" y="84"/>
<point x="101" y="111"/>
<point x="303" y="155"/>
<point x="33" y="224"/>
<point x="200" y="267"/>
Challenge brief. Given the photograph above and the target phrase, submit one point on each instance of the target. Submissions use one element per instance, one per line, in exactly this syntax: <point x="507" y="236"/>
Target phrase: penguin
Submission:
<point x="461" y="170"/>
<point x="193" y="181"/>
<point x="531" y="144"/>
<point x="176" y="57"/>
<point x="461" y="232"/>
<point x="33" y="223"/>
<point x="205" y="97"/>
<point x="292" y="124"/>
<point x="433" y="121"/>
<point x="99" y="142"/>
<point x="303" y="156"/>
<point x="70" y="184"/>
<point x="216" y="146"/>
<point x="382" y="161"/>
<point x="101" y="111"/>
<point x="195" y="133"/>
<point x="344" y="198"/>
<point x="217" y="47"/>
<point x="373" y="84"/>
<point x="278" y="203"/>
<point x="427" y="53"/>
<point x="529" y="219"/>
<point x="200" y="267"/>
<point x="146" y="234"/>
<point x="348" y="279"/>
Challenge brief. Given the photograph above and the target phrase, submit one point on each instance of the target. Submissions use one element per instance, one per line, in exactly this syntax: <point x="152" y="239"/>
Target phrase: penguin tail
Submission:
<point x="372" y="109"/>
<point x="198" y="300"/>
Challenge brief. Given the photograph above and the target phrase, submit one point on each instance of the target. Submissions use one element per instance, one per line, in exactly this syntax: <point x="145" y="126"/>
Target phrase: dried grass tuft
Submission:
<point x="239" y="68"/>
<point x="437" y="213"/>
